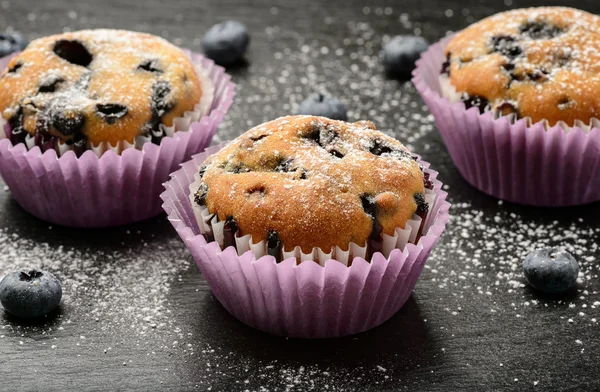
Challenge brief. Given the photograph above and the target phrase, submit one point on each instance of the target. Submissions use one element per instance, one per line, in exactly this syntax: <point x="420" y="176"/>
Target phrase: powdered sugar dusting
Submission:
<point x="537" y="62"/>
<point x="124" y="290"/>
<point x="97" y="86"/>
<point x="308" y="178"/>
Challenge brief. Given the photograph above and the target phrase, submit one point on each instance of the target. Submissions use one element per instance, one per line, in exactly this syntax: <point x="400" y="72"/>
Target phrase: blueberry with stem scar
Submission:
<point x="550" y="270"/>
<point x="30" y="293"/>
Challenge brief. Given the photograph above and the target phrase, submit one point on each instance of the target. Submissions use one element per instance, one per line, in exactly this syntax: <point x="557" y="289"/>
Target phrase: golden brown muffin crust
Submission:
<point x="542" y="63"/>
<point x="99" y="85"/>
<point x="316" y="182"/>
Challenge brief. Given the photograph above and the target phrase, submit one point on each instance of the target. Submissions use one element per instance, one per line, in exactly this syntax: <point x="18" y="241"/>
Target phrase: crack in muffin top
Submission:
<point x="313" y="181"/>
<point x="542" y="63"/>
<point x="98" y="86"/>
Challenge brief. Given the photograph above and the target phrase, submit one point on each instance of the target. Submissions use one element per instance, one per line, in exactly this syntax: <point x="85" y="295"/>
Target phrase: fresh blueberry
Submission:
<point x="550" y="270"/>
<point x="226" y="42"/>
<point x="30" y="293"/>
<point x="401" y="53"/>
<point x="11" y="42"/>
<point x="323" y="105"/>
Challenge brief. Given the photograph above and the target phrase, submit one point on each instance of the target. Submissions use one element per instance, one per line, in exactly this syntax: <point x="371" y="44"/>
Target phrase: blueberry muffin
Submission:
<point x="312" y="182"/>
<point x="538" y="63"/>
<point x="96" y="86"/>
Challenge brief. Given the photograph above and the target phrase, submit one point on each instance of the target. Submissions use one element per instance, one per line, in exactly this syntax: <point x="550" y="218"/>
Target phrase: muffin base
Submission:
<point x="305" y="300"/>
<point x="513" y="160"/>
<point x="213" y="229"/>
<point x="113" y="189"/>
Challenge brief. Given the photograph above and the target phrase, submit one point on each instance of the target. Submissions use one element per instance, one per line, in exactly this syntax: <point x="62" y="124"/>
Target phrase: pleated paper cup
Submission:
<point x="114" y="185"/>
<point x="512" y="160"/>
<point x="307" y="299"/>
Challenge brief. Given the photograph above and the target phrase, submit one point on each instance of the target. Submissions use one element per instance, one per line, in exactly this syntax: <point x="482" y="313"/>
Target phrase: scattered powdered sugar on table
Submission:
<point x="124" y="291"/>
<point x="314" y="66"/>
<point x="478" y="261"/>
<point x="255" y="375"/>
<point x="498" y="243"/>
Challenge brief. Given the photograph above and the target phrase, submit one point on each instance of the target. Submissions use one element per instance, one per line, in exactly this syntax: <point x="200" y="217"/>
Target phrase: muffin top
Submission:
<point x="313" y="182"/>
<point x="94" y="86"/>
<point x="542" y="63"/>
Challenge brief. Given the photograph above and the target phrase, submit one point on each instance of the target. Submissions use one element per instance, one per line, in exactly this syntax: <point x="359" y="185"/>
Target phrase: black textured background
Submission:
<point x="464" y="328"/>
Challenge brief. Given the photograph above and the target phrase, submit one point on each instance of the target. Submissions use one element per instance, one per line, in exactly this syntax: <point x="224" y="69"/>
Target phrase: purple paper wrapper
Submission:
<point x="532" y="165"/>
<point x="303" y="300"/>
<point x="112" y="189"/>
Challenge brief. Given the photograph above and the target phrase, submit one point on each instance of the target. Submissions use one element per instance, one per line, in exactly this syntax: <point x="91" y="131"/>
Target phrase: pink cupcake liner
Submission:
<point x="511" y="160"/>
<point x="303" y="300"/>
<point x="112" y="189"/>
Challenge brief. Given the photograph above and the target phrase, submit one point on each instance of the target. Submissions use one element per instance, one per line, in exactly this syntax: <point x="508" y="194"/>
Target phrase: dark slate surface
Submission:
<point x="137" y="315"/>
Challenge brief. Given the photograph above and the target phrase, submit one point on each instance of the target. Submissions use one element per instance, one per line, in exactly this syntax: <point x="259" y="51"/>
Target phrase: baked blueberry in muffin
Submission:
<point x="540" y="63"/>
<point x="96" y="86"/>
<point x="312" y="182"/>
